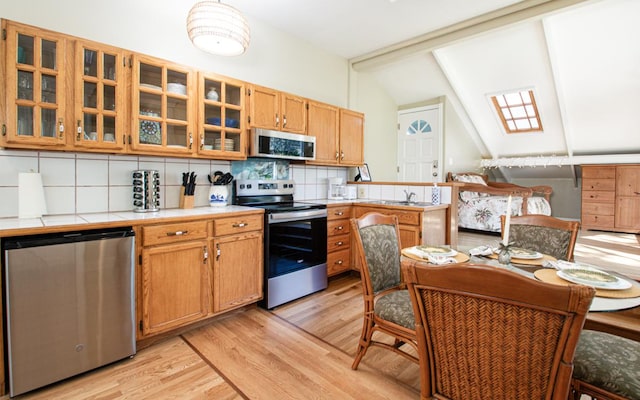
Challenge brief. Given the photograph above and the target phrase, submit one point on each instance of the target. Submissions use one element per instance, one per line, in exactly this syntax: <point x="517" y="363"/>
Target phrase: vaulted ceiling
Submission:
<point x="580" y="57"/>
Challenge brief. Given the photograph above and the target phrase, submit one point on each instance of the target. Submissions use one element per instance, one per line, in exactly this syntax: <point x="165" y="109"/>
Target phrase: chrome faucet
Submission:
<point x="409" y="196"/>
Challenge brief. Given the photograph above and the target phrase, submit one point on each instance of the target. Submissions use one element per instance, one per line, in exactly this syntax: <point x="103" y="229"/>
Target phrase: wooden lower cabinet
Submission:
<point x="611" y="197"/>
<point x="409" y="222"/>
<point x="338" y="239"/>
<point x="189" y="271"/>
<point x="175" y="285"/>
<point x="236" y="279"/>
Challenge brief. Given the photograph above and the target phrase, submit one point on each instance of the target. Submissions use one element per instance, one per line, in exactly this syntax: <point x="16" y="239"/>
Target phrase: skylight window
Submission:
<point x="518" y="111"/>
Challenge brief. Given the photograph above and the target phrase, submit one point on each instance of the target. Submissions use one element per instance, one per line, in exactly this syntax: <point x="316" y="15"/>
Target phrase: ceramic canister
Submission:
<point x="435" y="195"/>
<point x="218" y="195"/>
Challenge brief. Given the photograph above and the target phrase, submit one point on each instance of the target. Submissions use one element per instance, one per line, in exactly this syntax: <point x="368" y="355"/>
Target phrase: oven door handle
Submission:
<point x="297" y="215"/>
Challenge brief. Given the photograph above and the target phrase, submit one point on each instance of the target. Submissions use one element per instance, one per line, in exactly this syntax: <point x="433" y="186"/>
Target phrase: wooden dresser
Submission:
<point x="611" y="197"/>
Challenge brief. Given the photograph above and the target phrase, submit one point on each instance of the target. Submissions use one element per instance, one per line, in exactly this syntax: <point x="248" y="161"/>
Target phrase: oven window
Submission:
<point x="296" y="245"/>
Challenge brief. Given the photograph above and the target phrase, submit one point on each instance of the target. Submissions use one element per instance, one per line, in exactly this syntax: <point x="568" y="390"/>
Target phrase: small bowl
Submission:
<point x="177" y="88"/>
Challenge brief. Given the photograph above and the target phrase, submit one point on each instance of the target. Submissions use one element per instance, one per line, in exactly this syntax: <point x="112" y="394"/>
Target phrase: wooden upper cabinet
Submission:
<point x="221" y="117"/>
<point x="271" y="109"/>
<point x="100" y="107"/>
<point x="35" y="86"/>
<point x="324" y="124"/>
<point x="351" y="138"/>
<point x="163" y="112"/>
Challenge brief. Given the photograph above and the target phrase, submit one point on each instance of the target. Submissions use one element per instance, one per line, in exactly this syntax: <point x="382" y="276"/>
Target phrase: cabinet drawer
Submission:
<point x="338" y="261"/>
<point x="338" y="227"/>
<point x="598" y="196"/>
<point x="338" y="242"/>
<point x="598" y="209"/>
<point x="172" y="233"/>
<point x="338" y="212"/>
<point x="597" y="221"/>
<point x="599" y="184"/>
<point x="239" y="224"/>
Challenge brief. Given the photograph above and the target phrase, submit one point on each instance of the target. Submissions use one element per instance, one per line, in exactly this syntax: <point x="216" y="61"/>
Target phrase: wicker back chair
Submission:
<point x="548" y="235"/>
<point x="488" y="333"/>
<point x="387" y="305"/>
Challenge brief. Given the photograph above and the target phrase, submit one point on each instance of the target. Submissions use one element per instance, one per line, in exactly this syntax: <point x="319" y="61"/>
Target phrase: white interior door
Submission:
<point x="419" y="138"/>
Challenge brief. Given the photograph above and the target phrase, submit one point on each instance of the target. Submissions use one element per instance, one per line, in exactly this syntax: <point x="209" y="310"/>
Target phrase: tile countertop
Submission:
<point x="24" y="226"/>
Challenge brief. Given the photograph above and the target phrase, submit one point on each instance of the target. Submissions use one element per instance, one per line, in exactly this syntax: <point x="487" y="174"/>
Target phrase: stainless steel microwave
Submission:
<point x="276" y="144"/>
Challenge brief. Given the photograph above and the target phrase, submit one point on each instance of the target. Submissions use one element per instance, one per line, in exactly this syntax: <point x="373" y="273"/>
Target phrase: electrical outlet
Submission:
<point x="362" y="193"/>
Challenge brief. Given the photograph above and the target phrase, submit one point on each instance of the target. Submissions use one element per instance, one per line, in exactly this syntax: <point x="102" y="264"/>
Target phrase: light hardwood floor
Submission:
<point x="301" y="350"/>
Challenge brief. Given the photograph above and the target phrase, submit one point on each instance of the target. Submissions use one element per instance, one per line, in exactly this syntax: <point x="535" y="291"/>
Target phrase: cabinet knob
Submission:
<point x="339" y="228"/>
<point x="338" y="213"/>
<point x="339" y="262"/>
<point x="240" y="225"/>
<point x="339" y="243"/>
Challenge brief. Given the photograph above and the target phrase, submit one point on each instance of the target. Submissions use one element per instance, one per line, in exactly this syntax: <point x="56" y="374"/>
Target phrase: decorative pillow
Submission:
<point x="466" y="195"/>
<point x="469" y="179"/>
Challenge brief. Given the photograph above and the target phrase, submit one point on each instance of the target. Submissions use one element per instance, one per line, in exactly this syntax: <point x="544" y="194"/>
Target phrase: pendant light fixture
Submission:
<point x="218" y="28"/>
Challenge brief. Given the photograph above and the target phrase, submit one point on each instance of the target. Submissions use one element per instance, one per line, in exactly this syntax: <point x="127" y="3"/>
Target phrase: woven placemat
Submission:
<point x="527" y="261"/>
<point x="550" y="276"/>
<point x="460" y="257"/>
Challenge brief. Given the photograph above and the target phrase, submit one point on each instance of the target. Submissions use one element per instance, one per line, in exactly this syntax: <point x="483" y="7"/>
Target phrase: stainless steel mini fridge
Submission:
<point x="69" y="304"/>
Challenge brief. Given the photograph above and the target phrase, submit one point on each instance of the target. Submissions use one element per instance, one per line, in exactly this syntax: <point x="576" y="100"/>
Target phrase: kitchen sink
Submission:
<point x="402" y="203"/>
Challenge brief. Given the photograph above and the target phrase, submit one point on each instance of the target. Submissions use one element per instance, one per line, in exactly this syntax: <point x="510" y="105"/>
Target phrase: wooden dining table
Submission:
<point x="616" y="316"/>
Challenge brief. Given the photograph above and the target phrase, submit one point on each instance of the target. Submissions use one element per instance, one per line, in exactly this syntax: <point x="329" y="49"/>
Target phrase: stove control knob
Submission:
<point x="249" y="186"/>
<point x="242" y="186"/>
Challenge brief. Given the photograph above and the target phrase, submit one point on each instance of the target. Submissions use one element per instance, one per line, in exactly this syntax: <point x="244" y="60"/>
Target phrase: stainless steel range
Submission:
<point x="295" y="240"/>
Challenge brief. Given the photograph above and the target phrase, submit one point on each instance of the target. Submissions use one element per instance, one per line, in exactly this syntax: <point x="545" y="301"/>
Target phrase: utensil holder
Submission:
<point x="218" y="195"/>
<point x="185" y="201"/>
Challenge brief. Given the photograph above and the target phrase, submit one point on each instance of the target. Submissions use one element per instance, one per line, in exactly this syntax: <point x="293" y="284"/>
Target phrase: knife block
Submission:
<point x="185" y="201"/>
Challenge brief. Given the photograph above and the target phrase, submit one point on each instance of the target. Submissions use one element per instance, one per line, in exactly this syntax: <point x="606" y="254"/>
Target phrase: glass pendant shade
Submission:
<point x="218" y="28"/>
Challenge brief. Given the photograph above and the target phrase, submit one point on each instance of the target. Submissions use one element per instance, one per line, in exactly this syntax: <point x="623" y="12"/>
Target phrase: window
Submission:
<point x="518" y="111"/>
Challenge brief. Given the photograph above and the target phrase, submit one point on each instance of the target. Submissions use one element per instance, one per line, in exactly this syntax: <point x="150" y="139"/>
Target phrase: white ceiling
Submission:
<point x="580" y="57"/>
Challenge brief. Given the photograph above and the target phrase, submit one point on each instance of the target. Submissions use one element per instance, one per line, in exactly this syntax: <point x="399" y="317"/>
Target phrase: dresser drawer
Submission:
<point x="338" y="261"/>
<point x="338" y="242"/>
<point x="598" y="221"/>
<point x="598" y="209"/>
<point x="599" y="184"/>
<point x="338" y="212"/>
<point x="598" y="196"/>
<point x="172" y="233"/>
<point x="234" y="225"/>
<point x="338" y="227"/>
<point x="598" y="172"/>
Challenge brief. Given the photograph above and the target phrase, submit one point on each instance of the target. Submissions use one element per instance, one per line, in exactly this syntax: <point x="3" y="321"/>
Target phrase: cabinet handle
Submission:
<point x="177" y="233"/>
<point x="339" y="243"/>
<point x="240" y="225"/>
<point x="205" y="255"/>
<point x="79" y="130"/>
<point x="61" y="127"/>
<point x="190" y="141"/>
<point x="337" y="156"/>
<point x="338" y="213"/>
<point x="284" y="121"/>
<point x="342" y="156"/>
<point x="277" y="120"/>
<point x="636" y="192"/>
<point x="339" y="262"/>
<point x="217" y="251"/>
<point x="202" y="141"/>
<point x="339" y="228"/>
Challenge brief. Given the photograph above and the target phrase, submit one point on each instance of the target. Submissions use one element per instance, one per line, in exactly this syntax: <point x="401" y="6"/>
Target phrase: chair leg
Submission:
<point x="364" y="342"/>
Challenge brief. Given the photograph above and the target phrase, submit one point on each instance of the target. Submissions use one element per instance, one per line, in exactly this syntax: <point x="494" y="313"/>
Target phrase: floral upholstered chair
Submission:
<point x="481" y="203"/>
<point x="554" y="236"/>
<point x="387" y="305"/>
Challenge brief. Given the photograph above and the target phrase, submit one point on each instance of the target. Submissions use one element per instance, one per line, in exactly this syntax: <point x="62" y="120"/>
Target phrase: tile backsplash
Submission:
<point x="77" y="183"/>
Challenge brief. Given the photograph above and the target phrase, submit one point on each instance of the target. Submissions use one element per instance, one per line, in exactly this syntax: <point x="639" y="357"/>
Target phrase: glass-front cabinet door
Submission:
<point x="163" y="107"/>
<point x="221" y="118"/>
<point x="100" y="110"/>
<point x="35" y="86"/>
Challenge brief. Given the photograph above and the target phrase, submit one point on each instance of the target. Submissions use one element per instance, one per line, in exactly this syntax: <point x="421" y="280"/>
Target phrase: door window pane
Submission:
<point x="90" y="62"/>
<point x="48" y="122"/>
<point x="109" y="129"/>
<point x="25" y="49"/>
<point x="109" y="97"/>
<point x="49" y="89"/>
<point x="48" y="57"/>
<point x="25" y="121"/>
<point x="25" y="85"/>
<point x="90" y="127"/>
<point x="109" y="66"/>
<point x="90" y="92"/>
